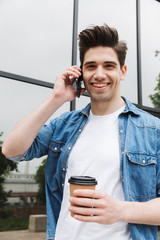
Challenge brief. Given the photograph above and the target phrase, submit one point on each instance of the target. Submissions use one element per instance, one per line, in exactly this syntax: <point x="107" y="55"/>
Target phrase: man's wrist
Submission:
<point x="57" y="99"/>
<point x="123" y="214"/>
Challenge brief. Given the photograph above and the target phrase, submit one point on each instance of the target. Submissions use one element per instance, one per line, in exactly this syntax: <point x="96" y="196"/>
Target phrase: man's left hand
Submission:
<point x="95" y="206"/>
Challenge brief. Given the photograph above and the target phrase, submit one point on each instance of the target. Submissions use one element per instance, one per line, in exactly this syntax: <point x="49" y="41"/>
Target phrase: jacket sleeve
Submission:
<point x="40" y="145"/>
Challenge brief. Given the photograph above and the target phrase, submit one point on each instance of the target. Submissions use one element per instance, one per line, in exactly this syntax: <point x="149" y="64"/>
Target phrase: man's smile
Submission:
<point x="100" y="85"/>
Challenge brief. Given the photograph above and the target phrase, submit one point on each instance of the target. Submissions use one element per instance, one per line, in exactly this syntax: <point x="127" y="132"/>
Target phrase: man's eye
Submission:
<point x="109" y="66"/>
<point x="90" y="66"/>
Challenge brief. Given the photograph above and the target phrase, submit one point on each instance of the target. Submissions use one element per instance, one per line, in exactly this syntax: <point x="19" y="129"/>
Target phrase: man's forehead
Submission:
<point x="100" y="53"/>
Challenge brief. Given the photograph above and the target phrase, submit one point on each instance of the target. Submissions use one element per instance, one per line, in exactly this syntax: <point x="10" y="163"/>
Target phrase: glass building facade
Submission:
<point x="39" y="40"/>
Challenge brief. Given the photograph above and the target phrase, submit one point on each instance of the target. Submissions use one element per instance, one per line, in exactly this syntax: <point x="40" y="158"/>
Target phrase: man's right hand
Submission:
<point x="63" y="87"/>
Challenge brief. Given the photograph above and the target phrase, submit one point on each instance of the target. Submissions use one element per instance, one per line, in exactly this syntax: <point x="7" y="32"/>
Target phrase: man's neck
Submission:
<point x="104" y="108"/>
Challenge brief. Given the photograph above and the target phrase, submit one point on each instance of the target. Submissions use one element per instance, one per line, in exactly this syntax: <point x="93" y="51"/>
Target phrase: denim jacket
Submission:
<point x="139" y="137"/>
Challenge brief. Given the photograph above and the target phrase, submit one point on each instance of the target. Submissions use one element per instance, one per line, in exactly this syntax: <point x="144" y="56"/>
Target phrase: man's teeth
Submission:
<point x="100" y="84"/>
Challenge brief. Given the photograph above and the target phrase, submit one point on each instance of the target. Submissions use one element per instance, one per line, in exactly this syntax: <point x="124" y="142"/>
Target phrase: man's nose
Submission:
<point x="99" y="73"/>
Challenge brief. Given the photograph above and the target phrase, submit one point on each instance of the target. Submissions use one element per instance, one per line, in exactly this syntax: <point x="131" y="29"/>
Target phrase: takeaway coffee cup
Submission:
<point x="81" y="182"/>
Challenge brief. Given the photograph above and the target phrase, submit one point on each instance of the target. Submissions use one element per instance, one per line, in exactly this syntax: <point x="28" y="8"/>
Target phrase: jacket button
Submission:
<point x="55" y="148"/>
<point x="80" y="130"/>
<point x="121" y="131"/>
<point x="63" y="169"/>
<point x="69" y="148"/>
<point x="144" y="161"/>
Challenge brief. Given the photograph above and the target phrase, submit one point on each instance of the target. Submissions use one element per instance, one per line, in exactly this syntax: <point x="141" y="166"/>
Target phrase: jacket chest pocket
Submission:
<point x="141" y="171"/>
<point x="55" y="149"/>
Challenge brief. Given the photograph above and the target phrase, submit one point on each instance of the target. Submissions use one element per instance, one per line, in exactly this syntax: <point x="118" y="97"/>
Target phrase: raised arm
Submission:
<point x="24" y="133"/>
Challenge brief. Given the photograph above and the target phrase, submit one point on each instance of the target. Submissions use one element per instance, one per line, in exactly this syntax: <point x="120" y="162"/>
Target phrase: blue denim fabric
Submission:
<point x="139" y="136"/>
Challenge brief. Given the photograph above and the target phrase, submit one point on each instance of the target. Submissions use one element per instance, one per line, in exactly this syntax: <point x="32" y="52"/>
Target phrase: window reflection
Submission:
<point x="150" y="35"/>
<point x="36" y="37"/>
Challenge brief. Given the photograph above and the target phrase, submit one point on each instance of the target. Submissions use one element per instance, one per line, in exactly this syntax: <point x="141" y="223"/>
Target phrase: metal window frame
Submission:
<point x="139" y="67"/>
<point x="24" y="79"/>
<point x="74" y="44"/>
<point x="41" y="83"/>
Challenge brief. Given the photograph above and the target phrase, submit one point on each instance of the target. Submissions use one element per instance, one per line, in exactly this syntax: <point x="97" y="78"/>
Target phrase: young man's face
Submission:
<point x="102" y="74"/>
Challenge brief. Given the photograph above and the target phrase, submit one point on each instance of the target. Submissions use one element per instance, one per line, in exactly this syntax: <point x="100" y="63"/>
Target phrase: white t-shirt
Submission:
<point x="96" y="153"/>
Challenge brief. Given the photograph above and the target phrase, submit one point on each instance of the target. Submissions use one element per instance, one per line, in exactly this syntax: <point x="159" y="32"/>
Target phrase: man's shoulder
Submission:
<point x="147" y="119"/>
<point x="73" y="116"/>
<point x="142" y="117"/>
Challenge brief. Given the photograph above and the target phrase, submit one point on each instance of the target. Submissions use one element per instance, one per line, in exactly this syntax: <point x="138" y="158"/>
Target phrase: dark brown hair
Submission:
<point x="102" y="36"/>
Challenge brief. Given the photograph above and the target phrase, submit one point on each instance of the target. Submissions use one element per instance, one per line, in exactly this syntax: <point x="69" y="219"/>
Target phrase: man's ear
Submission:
<point x="123" y="72"/>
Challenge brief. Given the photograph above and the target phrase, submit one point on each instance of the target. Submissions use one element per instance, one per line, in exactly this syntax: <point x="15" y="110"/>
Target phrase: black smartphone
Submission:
<point x="79" y="85"/>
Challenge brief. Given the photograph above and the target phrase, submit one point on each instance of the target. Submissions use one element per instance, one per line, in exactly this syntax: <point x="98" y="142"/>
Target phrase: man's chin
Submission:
<point x="100" y="99"/>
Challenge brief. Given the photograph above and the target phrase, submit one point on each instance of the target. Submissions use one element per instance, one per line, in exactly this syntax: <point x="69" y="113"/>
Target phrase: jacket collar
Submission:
<point x="130" y="107"/>
<point x="86" y="110"/>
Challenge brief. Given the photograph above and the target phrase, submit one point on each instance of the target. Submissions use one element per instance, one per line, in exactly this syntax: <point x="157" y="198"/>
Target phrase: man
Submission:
<point x="109" y="139"/>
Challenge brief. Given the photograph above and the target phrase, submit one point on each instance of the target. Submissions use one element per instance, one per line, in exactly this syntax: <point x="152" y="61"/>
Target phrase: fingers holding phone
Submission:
<point x="71" y="74"/>
<point x="79" y="81"/>
<point x="64" y="86"/>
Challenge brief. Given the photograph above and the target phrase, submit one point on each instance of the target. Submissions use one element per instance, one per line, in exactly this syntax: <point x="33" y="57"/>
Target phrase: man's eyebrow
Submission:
<point x="111" y="62"/>
<point x="87" y="63"/>
<point x="106" y="62"/>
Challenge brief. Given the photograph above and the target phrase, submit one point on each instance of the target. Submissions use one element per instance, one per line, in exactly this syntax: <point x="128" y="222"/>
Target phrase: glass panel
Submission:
<point x="150" y="35"/>
<point x="36" y="37"/>
<point x="112" y="12"/>
<point x="17" y="100"/>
